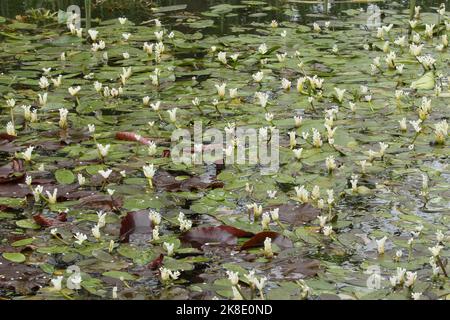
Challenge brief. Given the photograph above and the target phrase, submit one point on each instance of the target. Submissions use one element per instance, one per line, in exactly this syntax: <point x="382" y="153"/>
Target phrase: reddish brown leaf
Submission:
<point x="45" y="221"/>
<point x="258" y="240"/>
<point x="7" y="137"/>
<point x="12" y="171"/>
<point x="137" y="222"/>
<point x="157" y="263"/>
<point x="131" y="136"/>
<point x="62" y="216"/>
<point x="236" y="232"/>
<point x="222" y="235"/>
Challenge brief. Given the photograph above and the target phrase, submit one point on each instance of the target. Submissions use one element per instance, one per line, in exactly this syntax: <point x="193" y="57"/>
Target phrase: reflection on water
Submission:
<point x="141" y="10"/>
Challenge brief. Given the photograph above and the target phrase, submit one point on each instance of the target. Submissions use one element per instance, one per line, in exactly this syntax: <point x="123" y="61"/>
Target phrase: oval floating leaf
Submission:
<point x="14" y="257"/>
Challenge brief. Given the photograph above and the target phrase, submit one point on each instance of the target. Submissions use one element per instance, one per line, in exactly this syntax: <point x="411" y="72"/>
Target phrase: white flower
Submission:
<point x="57" y="283"/>
<point x="298" y="121"/>
<point x="298" y="153"/>
<point x="101" y="219"/>
<point x="281" y="57"/>
<point x="268" y="247"/>
<point x="148" y="48"/>
<point x="302" y="194"/>
<point x="43" y="83"/>
<point x="316" y="27"/>
<point x="393" y="280"/>
<point x="155" y="233"/>
<point x="43" y="99"/>
<point x="126" y="36"/>
<point x="122" y="20"/>
<point x="411" y="278"/>
<point x="222" y="57"/>
<point x="380" y="245"/>
<point x="10" y="129"/>
<point x="260" y="284"/>
<point x="155" y="106"/>
<point x="340" y="94"/>
<point x="401" y="41"/>
<point x="167" y="274"/>
<point x="275" y="214"/>
<point x="96" y="232"/>
<point x="155" y="217"/>
<point x="440" y="236"/>
<point x="74" y="90"/>
<point x="173" y="114"/>
<point x="105" y="174"/>
<point x="402" y="124"/>
<point x="93" y="34"/>
<point x="233" y="277"/>
<point x="263" y="98"/>
<point x="151" y="149"/>
<point x="330" y="163"/>
<point x="159" y="35"/>
<point x="81" y="179"/>
<point x="436" y="250"/>
<point x="322" y="221"/>
<point x="103" y="150"/>
<point x="286" y="84"/>
<point x="413" y="23"/>
<point x="257" y="77"/>
<point x="262" y="49"/>
<point x="354" y="182"/>
<point x="169" y="248"/>
<point x="27" y="154"/>
<point x="274" y="24"/>
<point x="441" y="131"/>
<point x="390" y="59"/>
<point x="126" y="56"/>
<point x="317" y="140"/>
<point x="265" y="220"/>
<point x="81" y="237"/>
<point x="269" y="117"/>
<point x="429" y="30"/>
<point x="149" y="171"/>
<point x="416" y="125"/>
<point x="415" y="50"/>
<point x="233" y="93"/>
<point x="185" y="224"/>
<point x="416" y="295"/>
<point x="426" y="61"/>
<point x="221" y="90"/>
<point x="52" y="197"/>
<point x="57" y="82"/>
<point x="327" y="230"/>
<point x="400" y="274"/>
<point x="330" y="193"/>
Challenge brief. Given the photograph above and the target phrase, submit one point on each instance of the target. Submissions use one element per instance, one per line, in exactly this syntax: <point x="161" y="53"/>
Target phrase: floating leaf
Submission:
<point x="14" y="257"/>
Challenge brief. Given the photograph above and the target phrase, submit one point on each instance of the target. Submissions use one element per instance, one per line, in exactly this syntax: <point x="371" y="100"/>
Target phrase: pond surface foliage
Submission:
<point x="93" y="207"/>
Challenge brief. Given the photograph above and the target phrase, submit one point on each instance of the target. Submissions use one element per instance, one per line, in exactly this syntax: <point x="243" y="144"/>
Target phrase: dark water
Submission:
<point x="141" y="10"/>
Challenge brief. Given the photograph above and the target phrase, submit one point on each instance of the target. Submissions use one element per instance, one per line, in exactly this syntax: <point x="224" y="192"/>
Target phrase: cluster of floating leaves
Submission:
<point x="92" y="205"/>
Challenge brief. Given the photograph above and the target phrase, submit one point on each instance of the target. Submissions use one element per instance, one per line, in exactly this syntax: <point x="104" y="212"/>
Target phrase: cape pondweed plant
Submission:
<point x="360" y="118"/>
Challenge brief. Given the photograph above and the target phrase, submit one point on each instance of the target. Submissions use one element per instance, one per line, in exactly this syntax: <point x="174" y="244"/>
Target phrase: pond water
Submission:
<point x="93" y="203"/>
